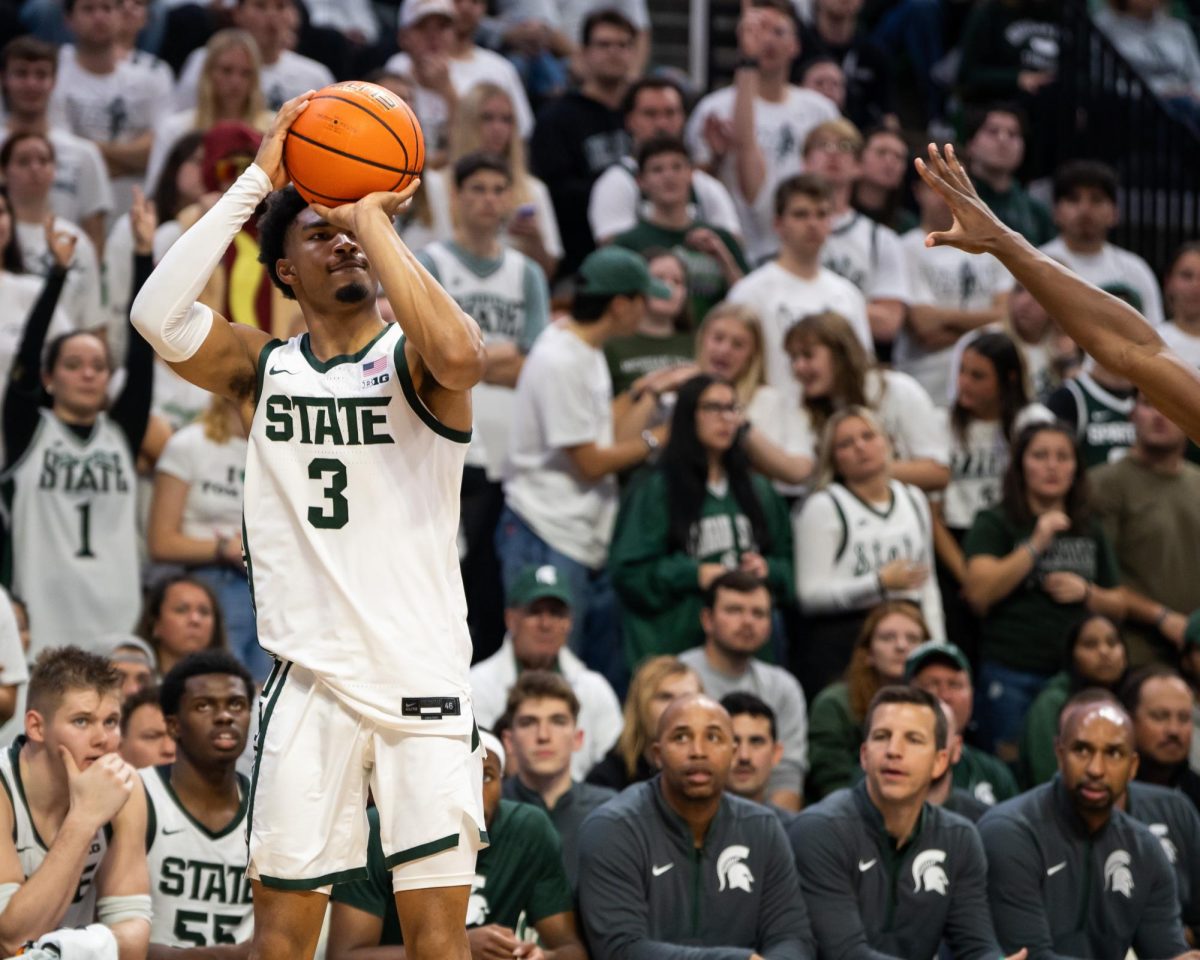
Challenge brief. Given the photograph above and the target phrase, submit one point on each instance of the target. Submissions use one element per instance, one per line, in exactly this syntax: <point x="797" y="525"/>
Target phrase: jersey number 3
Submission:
<point x="334" y="512"/>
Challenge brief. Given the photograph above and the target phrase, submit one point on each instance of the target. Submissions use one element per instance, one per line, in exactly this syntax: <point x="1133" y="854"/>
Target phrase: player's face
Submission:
<point x="695" y="751"/>
<point x="86" y="722"/>
<point x="186" y="621"/>
<point x="539" y="631"/>
<point x="827" y="79"/>
<point x="146" y="742"/>
<point x="895" y="637"/>
<point x="670" y="271"/>
<point x="1183" y="287"/>
<point x="1096" y="757"/>
<point x="231" y="74"/>
<point x="484" y="200"/>
<point x="813" y="367"/>
<point x="1049" y="465"/>
<point x="274" y="24"/>
<point x="324" y="264"/>
<point x="884" y="160"/>
<point x="1085" y="215"/>
<point x="755" y="754"/>
<point x="1163" y="720"/>
<point x="493" y="781"/>
<point x="94" y="22"/>
<point x="900" y="756"/>
<point x="80" y="376"/>
<point x="543" y="737"/>
<point x="497" y="124"/>
<point x="739" y="623"/>
<point x="656" y="113"/>
<point x="30" y="170"/>
<point x="859" y="450"/>
<point x="717" y="418"/>
<point x="608" y="54"/>
<point x="669" y="689"/>
<point x="213" y="720"/>
<point x="978" y="385"/>
<point x="1099" y="654"/>
<point x="999" y="145"/>
<point x="834" y="158"/>
<point x="726" y="348"/>
<point x="135" y="676"/>
<point x="28" y="85"/>
<point x="950" y="685"/>
<point x="804" y="226"/>
<point x="666" y="179"/>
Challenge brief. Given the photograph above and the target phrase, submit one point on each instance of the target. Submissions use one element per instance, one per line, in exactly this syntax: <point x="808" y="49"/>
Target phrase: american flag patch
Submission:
<point x="375" y="367"/>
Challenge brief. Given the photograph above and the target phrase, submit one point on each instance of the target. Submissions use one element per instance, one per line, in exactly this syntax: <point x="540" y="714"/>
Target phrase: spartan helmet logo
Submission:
<point x="477" y="905"/>
<point x="928" y="873"/>
<point x="1117" y="875"/>
<point x="1160" y="830"/>
<point x="732" y="871"/>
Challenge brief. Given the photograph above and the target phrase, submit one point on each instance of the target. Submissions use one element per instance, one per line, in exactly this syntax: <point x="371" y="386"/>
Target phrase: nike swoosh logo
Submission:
<point x="865" y="865"/>
<point x="171" y="833"/>
<point x="659" y="871"/>
<point x="1053" y="870"/>
<point x="275" y="370"/>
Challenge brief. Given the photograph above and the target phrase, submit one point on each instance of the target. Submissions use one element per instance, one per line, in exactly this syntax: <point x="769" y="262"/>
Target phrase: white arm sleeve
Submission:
<point x="166" y="312"/>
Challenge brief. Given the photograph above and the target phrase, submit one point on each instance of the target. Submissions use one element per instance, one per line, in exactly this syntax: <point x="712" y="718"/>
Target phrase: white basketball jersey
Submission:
<point x="351" y="515"/>
<point x="72" y="518"/>
<point x="198" y="886"/>
<point x="872" y="539"/>
<point x="31" y="851"/>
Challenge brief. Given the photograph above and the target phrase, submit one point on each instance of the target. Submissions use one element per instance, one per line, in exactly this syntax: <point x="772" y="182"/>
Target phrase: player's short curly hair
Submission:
<point x="282" y="207"/>
<point x="59" y="670"/>
<point x="206" y="662"/>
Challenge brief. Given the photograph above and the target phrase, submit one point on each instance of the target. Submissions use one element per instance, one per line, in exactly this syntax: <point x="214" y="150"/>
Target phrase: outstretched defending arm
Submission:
<point x="1109" y="329"/>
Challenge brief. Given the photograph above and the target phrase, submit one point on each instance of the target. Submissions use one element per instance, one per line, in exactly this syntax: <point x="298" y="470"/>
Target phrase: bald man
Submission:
<point x="1070" y="874"/>
<point x="679" y="862"/>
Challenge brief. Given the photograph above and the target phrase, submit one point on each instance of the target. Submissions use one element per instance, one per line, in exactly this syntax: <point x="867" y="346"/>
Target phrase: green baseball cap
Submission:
<point x="1191" y="635"/>
<point x="615" y="270"/>
<point x="934" y="651"/>
<point x="538" y="583"/>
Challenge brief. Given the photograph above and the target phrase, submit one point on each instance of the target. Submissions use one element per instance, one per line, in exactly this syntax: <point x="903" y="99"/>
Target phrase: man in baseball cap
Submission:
<point x="942" y="669"/>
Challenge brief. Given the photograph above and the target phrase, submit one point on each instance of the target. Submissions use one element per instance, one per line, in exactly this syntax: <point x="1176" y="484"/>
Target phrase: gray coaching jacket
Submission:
<point x="1063" y="892"/>
<point x="871" y="901"/>
<point x="1172" y="818"/>
<point x="647" y="893"/>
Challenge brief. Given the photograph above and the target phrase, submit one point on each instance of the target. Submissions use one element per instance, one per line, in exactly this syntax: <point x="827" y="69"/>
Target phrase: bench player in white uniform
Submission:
<point x="358" y="433"/>
<point x="73" y="817"/>
<point x="197" y="808"/>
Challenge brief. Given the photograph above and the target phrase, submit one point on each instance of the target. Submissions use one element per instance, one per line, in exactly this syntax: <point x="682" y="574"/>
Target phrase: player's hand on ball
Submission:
<point x="390" y="204"/>
<point x="270" y="151"/>
<point x="98" y="793"/>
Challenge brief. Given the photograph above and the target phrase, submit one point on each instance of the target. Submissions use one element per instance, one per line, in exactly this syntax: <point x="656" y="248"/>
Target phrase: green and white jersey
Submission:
<point x="510" y="301"/>
<point x="1101" y="420"/>
<point x="351" y="519"/>
<point x="199" y="890"/>
<point x="72" y="522"/>
<point x="31" y="850"/>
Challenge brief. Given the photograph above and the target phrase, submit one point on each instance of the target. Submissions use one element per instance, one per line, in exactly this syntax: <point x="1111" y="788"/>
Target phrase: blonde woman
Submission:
<point x="485" y="121"/>
<point x="657" y="681"/>
<point x="228" y="90"/>
<point x="861" y="538"/>
<point x="196" y="518"/>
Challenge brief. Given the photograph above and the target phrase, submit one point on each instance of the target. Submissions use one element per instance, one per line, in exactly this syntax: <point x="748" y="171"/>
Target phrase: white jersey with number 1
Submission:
<point x="351" y="514"/>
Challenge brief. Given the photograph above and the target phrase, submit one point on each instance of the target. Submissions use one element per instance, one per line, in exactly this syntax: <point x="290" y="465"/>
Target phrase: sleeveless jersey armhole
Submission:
<point x="418" y="405"/>
<point x="263" y="356"/>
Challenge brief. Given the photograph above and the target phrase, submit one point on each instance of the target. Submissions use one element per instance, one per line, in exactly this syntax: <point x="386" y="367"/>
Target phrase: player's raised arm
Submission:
<point x="202" y="346"/>
<point x="1110" y="330"/>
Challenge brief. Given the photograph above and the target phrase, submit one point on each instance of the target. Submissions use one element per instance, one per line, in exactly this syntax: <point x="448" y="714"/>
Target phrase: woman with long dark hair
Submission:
<point x="698" y="513"/>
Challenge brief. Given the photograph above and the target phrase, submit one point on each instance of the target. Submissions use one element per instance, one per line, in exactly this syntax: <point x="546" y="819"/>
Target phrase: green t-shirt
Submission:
<point x="519" y="877"/>
<point x="707" y="285"/>
<point x="634" y="356"/>
<point x="1027" y="630"/>
<point x="1018" y="210"/>
<point x="985" y="777"/>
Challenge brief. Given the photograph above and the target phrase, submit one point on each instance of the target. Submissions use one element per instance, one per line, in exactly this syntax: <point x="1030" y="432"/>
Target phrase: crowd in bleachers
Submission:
<point x="827" y="600"/>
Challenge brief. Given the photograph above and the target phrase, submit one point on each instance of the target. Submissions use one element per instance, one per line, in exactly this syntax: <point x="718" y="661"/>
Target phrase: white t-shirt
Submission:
<point x="1114" y="267"/>
<point x="287" y="77"/>
<point x="780" y="129"/>
<point x="347" y="16"/>
<point x="951" y="279"/>
<point x="1182" y="342"/>
<point x="563" y="399"/>
<point x="616" y="202"/>
<point x="214" y="473"/>
<point x="869" y="255"/>
<point x="81" y="293"/>
<point x="176" y="400"/>
<point x="482" y="66"/>
<point x="780" y="298"/>
<point x="81" y="184"/>
<point x="567" y="16"/>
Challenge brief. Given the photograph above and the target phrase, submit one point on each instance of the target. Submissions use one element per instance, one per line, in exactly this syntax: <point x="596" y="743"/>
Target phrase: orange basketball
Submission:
<point x="353" y="139"/>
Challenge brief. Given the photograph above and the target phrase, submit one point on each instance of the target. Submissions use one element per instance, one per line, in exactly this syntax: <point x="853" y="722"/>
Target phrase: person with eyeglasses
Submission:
<point x="698" y="514"/>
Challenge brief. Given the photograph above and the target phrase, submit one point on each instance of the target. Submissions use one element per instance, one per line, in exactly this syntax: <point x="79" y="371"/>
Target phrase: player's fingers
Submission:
<point x="927" y="174"/>
<point x="409" y="191"/>
<point x="320" y="210"/>
<point x="939" y="239"/>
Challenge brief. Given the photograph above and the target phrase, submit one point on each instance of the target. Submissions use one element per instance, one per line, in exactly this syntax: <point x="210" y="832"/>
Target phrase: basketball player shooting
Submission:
<point x="1108" y="329"/>
<point x="358" y="432"/>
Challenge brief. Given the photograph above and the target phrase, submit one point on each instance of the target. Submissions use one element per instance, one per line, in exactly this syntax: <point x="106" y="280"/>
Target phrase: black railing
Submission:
<point x="1107" y="112"/>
